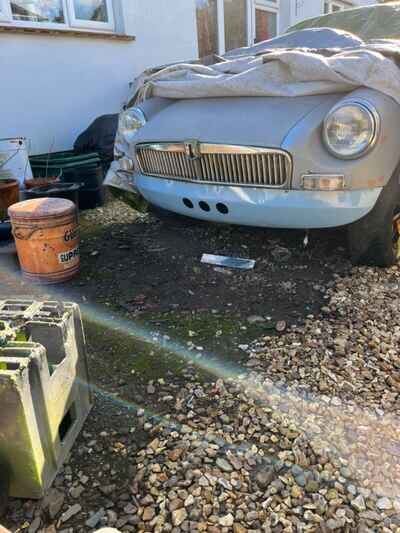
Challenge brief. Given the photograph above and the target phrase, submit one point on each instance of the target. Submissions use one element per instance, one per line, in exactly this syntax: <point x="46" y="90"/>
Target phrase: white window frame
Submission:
<point x="70" y="21"/>
<point x="340" y="5"/>
<point x="270" y="7"/>
<point x="5" y="12"/>
<point x="91" y="24"/>
<point x="267" y="5"/>
<point x="32" y="24"/>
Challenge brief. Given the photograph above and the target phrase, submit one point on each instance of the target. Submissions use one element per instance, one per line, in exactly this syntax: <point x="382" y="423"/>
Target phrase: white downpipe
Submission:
<point x="251" y="15"/>
<point x="221" y="27"/>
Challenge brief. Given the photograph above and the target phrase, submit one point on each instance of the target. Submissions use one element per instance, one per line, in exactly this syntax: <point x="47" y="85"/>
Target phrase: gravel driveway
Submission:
<point x="228" y="401"/>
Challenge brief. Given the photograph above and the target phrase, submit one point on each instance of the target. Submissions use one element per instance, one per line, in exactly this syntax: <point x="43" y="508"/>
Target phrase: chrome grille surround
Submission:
<point x="216" y="164"/>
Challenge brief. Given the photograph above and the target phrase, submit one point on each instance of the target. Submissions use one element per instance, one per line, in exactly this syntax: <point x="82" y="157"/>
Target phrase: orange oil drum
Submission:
<point x="46" y="233"/>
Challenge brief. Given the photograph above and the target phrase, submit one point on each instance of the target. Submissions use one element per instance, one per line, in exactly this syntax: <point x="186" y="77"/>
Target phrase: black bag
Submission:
<point x="99" y="137"/>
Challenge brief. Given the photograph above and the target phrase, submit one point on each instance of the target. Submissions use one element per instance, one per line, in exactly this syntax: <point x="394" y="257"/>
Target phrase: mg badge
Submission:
<point x="192" y="149"/>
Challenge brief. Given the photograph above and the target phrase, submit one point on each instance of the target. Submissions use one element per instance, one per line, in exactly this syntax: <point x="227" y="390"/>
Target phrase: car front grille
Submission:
<point x="216" y="164"/>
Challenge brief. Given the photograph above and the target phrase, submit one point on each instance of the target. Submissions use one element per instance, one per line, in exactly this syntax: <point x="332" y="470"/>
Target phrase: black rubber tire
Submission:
<point x="370" y="239"/>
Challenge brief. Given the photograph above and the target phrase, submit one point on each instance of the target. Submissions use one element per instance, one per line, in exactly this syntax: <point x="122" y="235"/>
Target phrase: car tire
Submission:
<point x="374" y="240"/>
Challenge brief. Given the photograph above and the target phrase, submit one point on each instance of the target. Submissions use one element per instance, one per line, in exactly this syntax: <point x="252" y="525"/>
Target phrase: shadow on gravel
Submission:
<point x="151" y="268"/>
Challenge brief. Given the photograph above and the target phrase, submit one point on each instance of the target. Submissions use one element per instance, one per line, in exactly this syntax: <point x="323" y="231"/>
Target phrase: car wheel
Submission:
<point x="375" y="239"/>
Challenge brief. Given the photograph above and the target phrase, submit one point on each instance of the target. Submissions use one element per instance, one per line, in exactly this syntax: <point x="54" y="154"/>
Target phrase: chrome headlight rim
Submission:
<point x="374" y="117"/>
<point x="124" y="131"/>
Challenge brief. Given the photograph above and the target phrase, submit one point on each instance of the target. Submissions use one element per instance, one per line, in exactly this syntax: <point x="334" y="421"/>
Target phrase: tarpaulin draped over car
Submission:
<point x="307" y="62"/>
<point x="369" y="22"/>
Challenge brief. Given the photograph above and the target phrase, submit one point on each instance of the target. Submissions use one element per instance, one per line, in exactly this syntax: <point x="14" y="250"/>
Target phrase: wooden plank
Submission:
<point x="5" y="28"/>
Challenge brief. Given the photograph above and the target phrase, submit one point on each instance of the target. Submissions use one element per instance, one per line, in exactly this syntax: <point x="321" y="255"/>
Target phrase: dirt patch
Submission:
<point x="154" y="266"/>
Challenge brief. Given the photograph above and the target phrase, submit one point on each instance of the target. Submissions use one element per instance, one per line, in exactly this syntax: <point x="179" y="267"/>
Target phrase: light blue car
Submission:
<point x="303" y="162"/>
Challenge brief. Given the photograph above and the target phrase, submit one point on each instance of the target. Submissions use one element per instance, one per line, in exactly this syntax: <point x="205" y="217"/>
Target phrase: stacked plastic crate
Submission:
<point x="44" y="392"/>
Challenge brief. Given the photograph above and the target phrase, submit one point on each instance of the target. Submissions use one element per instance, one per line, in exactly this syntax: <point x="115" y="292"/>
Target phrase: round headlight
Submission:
<point x="351" y="129"/>
<point x="130" y="121"/>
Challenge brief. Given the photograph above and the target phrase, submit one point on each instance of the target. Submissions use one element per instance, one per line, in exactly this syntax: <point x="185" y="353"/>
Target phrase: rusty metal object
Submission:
<point x="9" y="195"/>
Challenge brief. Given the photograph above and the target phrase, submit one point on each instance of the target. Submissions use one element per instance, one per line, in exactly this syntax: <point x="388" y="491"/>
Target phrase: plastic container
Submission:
<point x="64" y="158"/>
<point x="14" y="162"/>
<point x="91" y="198"/>
<point x="91" y="177"/>
<point x="46" y="233"/>
<point x="68" y="191"/>
<point x="9" y="195"/>
<point x="84" y="169"/>
<point x="75" y="168"/>
<point x="39" y="181"/>
<point x="5" y="231"/>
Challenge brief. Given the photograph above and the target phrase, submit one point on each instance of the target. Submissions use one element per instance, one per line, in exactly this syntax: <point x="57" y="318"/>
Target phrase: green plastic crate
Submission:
<point x="65" y="158"/>
<point x="70" y="166"/>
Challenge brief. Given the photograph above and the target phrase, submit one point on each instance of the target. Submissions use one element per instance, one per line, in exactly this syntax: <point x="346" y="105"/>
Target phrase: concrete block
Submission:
<point x="44" y="388"/>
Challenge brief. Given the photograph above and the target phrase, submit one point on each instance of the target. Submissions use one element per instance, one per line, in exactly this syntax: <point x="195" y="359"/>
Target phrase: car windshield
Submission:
<point x="372" y="22"/>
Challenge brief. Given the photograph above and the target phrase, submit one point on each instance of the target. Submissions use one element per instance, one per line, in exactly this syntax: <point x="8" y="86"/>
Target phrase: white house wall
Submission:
<point x="52" y="87"/>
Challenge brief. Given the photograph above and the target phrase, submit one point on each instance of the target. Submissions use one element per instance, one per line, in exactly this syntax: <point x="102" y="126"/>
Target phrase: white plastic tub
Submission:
<point x="14" y="161"/>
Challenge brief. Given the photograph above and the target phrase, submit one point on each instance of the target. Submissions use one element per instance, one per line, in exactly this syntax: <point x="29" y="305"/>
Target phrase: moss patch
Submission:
<point x="123" y="355"/>
<point x="218" y="333"/>
<point x="119" y="355"/>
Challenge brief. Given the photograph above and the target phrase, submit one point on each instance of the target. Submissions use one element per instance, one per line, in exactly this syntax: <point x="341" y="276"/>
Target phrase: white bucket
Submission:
<point x="14" y="161"/>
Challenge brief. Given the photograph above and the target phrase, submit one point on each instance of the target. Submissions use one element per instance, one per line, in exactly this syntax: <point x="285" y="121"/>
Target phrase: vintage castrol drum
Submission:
<point x="46" y="234"/>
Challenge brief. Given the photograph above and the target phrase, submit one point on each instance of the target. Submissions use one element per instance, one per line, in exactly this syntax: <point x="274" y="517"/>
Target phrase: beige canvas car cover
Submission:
<point x="280" y="72"/>
<point x="370" y="22"/>
<point x="302" y="62"/>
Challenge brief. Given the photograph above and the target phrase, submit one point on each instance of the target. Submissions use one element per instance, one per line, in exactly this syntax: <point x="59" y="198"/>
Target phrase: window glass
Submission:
<point x="38" y="10"/>
<point x="2" y="8"/>
<point x="235" y="24"/>
<point x="331" y="7"/>
<point x="207" y="27"/>
<point x="93" y="10"/>
<point x="266" y="25"/>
